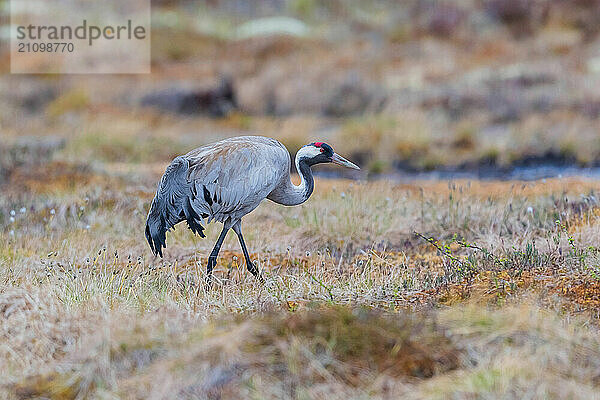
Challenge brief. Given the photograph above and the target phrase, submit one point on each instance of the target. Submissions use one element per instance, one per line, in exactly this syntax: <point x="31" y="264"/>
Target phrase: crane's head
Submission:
<point x="319" y="153"/>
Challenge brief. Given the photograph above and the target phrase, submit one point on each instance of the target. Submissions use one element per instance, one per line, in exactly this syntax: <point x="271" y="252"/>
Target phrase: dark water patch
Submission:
<point x="525" y="172"/>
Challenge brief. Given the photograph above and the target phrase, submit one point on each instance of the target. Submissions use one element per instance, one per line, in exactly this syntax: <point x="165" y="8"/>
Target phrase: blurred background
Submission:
<point x="496" y="296"/>
<point x="482" y="88"/>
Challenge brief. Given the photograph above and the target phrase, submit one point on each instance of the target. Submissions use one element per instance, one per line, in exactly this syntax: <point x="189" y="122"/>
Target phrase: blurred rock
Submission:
<point x="521" y="16"/>
<point x="36" y="101"/>
<point x="31" y="94"/>
<point x="216" y="101"/>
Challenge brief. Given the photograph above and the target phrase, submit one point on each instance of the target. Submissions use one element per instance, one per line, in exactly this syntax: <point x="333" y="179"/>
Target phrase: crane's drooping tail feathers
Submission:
<point x="172" y="205"/>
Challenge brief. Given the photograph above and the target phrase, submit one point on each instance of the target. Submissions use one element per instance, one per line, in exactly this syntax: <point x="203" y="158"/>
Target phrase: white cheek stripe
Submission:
<point x="309" y="152"/>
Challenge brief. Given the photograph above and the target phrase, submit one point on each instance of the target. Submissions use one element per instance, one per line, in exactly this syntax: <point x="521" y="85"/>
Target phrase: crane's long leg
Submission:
<point x="212" y="259"/>
<point x="237" y="227"/>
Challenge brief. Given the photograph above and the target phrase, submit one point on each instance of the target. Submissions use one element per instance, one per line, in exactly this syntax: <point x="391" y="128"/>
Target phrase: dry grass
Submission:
<point x="88" y="313"/>
<point x="463" y="352"/>
<point x="496" y="296"/>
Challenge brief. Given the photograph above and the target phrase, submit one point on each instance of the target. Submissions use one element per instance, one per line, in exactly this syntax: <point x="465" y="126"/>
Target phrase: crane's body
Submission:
<point x="226" y="180"/>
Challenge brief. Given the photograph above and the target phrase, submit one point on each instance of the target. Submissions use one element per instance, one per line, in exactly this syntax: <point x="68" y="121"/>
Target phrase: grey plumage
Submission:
<point x="226" y="180"/>
<point x="222" y="181"/>
<point x="171" y="205"/>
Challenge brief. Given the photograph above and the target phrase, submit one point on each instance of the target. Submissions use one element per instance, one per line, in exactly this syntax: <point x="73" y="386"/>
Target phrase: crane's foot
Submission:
<point x="212" y="262"/>
<point x="254" y="271"/>
<point x="207" y="283"/>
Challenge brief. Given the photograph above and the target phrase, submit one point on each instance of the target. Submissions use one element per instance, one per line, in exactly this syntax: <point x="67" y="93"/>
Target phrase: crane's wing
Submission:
<point x="171" y="205"/>
<point x="222" y="181"/>
<point x="236" y="177"/>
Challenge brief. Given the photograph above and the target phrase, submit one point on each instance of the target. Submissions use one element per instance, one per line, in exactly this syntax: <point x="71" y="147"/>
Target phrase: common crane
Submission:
<point x="226" y="180"/>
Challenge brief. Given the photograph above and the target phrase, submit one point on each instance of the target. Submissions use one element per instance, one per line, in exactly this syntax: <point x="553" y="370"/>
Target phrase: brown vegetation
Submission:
<point x="87" y="312"/>
<point x="400" y="288"/>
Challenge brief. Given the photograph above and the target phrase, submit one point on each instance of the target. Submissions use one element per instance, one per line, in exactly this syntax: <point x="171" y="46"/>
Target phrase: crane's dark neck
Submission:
<point x="291" y="195"/>
<point x="307" y="182"/>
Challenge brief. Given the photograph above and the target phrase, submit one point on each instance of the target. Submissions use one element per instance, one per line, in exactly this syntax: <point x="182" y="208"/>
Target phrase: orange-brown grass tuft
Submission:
<point x="367" y="340"/>
<point x="54" y="177"/>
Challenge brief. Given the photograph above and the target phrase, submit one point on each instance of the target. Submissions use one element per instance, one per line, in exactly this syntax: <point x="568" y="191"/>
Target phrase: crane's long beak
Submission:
<point x="339" y="160"/>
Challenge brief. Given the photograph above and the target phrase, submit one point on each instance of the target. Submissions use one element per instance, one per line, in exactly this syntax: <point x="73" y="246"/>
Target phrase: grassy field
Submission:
<point x="383" y="285"/>
<point x="373" y="290"/>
